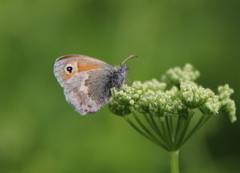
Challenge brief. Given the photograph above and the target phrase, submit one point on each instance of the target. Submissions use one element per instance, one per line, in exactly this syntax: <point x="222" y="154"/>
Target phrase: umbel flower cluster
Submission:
<point x="163" y="109"/>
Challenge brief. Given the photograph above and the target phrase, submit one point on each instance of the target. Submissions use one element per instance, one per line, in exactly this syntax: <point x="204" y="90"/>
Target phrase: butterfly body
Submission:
<point x="87" y="81"/>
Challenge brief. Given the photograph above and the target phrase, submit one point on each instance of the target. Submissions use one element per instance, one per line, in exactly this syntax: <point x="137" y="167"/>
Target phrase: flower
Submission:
<point x="153" y="97"/>
<point x="227" y="104"/>
<point x="165" y="108"/>
<point x="177" y="75"/>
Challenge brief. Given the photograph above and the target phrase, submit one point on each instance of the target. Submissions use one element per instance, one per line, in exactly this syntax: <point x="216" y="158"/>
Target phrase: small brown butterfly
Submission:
<point x="87" y="81"/>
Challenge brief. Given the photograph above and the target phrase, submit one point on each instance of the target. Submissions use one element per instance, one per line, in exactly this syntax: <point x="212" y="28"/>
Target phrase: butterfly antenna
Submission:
<point x="130" y="57"/>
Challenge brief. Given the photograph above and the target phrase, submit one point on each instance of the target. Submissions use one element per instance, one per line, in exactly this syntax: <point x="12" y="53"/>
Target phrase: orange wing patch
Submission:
<point x="79" y="67"/>
<point x="87" y="66"/>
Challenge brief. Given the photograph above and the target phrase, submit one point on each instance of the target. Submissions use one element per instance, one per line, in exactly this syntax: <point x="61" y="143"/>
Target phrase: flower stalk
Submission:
<point x="170" y="111"/>
<point x="174" y="161"/>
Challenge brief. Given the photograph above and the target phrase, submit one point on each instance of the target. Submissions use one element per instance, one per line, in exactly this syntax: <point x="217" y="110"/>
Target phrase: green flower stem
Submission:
<point x="150" y="120"/>
<point x="143" y="126"/>
<point x="137" y="129"/>
<point x="198" y="125"/>
<point x="152" y="136"/>
<point x="145" y="135"/>
<point x="179" y="130"/>
<point x="186" y="123"/>
<point x="174" y="161"/>
<point x="165" y="131"/>
<point x="169" y="129"/>
<point x="157" y="129"/>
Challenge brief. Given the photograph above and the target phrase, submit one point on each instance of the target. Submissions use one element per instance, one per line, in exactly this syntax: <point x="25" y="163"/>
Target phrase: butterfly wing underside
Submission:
<point x="85" y="87"/>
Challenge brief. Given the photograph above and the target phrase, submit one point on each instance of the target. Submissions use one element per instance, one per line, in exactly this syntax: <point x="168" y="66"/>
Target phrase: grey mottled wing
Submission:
<point x="87" y="91"/>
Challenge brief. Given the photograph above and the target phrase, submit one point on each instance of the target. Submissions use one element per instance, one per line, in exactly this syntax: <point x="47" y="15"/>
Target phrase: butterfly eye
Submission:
<point x="69" y="69"/>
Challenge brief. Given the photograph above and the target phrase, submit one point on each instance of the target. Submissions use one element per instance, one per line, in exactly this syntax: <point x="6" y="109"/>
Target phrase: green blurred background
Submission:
<point x="40" y="132"/>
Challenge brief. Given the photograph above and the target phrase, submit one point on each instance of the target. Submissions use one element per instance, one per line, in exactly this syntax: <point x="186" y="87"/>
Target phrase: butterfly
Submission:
<point x="87" y="81"/>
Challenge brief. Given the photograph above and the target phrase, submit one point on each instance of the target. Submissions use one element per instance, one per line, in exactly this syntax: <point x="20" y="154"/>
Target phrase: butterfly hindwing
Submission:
<point x="87" y="92"/>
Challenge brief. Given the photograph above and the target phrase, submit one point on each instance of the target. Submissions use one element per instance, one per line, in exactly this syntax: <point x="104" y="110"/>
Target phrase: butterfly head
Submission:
<point x="120" y="72"/>
<point x="119" y="75"/>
